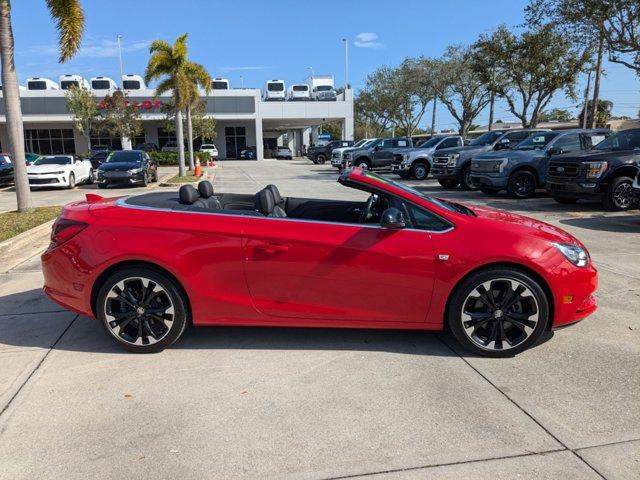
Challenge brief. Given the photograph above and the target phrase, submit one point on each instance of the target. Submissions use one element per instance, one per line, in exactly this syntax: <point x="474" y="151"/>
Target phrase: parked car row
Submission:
<point x="315" y="88"/>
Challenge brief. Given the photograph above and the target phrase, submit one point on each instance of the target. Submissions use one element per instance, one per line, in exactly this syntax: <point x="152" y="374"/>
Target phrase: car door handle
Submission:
<point x="272" y="247"/>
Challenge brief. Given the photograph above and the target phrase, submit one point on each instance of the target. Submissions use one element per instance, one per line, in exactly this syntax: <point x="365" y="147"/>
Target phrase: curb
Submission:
<point x="207" y="175"/>
<point x="20" y="248"/>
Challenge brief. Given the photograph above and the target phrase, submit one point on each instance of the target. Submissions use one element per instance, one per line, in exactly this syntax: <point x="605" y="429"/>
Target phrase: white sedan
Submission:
<point x="210" y="148"/>
<point x="59" y="171"/>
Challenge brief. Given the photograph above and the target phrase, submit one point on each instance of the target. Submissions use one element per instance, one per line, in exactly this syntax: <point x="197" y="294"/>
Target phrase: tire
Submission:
<point x="362" y="163"/>
<point x="490" y="191"/>
<point x="448" y="182"/>
<point x="494" y="285"/>
<point x="522" y="184"/>
<point x="420" y="170"/>
<point x="465" y="179"/>
<point x="72" y="181"/>
<point x="91" y="177"/>
<point x="619" y="196"/>
<point x="565" y="200"/>
<point x="139" y="330"/>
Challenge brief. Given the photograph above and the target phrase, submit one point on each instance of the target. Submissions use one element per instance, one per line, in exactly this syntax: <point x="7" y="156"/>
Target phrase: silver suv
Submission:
<point x="416" y="162"/>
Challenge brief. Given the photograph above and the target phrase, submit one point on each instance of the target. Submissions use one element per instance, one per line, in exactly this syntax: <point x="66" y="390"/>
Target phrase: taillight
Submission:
<point x="64" y="229"/>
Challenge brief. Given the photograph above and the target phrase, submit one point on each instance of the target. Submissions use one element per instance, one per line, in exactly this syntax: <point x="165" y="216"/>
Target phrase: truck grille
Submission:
<point x="335" y="155"/>
<point x="561" y="169"/>
<point x="489" y="166"/>
<point x="440" y="160"/>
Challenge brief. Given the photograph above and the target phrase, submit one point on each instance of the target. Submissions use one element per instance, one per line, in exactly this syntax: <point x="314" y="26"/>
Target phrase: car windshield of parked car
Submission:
<point x="432" y="142"/>
<point x="485" y="139"/>
<point x="127" y="156"/>
<point x="625" y="140"/>
<point x="275" y="87"/>
<point x="536" y="141"/>
<point x="53" y="161"/>
<point x="324" y="88"/>
<point x="209" y="146"/>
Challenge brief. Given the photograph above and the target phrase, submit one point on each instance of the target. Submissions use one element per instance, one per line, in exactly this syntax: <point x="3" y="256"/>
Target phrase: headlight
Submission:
<point x="453" y="159"/>
<point x="575" y="254"/>
<point x="133" y="171"/>
<point x="596" y="169"/>
<point x="499" y="165"/>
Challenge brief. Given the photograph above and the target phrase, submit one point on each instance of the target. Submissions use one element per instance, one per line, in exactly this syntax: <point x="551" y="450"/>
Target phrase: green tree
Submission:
<point x="603" y="114"/>
<point x="556" y="115"/>
<point x="203" y="126"/>
<point x="459" y="88"/>
<point x="84" y="108"/>
<point x="119" y="117"/>
<point x="531" y="68"/>
<point x="177" y="74"/>
<point x="69" y="20"/>
<point x="372" y="113"/>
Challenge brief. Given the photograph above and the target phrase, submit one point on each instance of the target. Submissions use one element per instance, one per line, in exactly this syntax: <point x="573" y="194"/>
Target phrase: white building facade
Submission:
<point x="242" y="120"/>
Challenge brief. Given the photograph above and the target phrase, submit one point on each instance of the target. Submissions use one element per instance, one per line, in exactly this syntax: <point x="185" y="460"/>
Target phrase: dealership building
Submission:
<point x="243" y="119"/>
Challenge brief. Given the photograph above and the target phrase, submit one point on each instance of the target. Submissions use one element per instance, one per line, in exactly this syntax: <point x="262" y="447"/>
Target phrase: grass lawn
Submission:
<point x="188" y="178"/>
<point x="13" y="223"/>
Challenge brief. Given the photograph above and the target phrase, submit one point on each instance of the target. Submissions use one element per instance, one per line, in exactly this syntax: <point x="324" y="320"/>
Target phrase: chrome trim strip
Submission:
<point x="121" y="202"/>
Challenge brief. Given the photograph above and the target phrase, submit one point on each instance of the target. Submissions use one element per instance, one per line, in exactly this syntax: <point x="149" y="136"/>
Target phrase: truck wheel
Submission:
<point x="565" y="200"/>
<point x="619" y="196"/>
<point x="521" y="184"/>
<point x="362" y="163"/>
<point x="420" y="170"/>
<point x="320" y="159"/>
<point x="448" y="182"/>
<point x="465" y="179"/>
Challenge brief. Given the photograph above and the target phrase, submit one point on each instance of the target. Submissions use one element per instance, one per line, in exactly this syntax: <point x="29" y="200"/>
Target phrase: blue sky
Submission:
<point x="282" y="39"/>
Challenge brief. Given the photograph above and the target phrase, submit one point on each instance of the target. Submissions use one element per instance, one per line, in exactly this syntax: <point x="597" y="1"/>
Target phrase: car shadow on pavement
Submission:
<point x="606" y="223"/>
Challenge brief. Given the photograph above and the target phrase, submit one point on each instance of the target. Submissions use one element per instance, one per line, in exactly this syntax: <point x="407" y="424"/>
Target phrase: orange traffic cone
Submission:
<point x="198" y="170"/>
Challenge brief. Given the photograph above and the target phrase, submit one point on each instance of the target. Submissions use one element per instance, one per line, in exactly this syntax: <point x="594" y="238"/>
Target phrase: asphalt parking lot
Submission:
<point x="326" y="404"/>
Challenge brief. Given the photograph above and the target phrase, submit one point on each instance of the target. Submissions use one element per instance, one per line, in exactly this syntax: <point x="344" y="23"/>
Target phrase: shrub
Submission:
<point x="171" y="158"/>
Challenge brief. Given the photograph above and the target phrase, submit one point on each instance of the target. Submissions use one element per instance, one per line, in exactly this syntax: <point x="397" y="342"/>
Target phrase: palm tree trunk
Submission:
<point x="180" y="143"/>
<point x="13" y="111"/>
<point x="190" y="138"/>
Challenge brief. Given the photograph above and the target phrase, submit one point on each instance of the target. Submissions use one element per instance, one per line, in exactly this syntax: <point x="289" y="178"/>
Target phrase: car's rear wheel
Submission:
<point x="522" y="184"/>
<point x="565" y="200"/>
<point x="142" y="309"/>
<point x="420" y="170"/>
<point x="619" y="196"/>
<point x="498" y="312"/>
<point x="465" y="179"/>
<point x="448" y="182"/>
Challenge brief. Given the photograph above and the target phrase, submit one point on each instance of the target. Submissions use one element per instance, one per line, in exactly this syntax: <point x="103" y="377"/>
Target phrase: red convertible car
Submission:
<point x="148" y="265"/>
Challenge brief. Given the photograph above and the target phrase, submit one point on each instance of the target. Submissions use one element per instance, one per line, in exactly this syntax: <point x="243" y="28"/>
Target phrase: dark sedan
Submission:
<point x="126" y="168"/>
<point x="6" y="169"/>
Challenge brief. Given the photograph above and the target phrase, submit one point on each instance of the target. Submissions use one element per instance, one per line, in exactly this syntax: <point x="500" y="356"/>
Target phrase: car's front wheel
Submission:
<point x="72" y="181"/>
<point x="142" y="309"/>
<point x="420" y="170"/>
<point x="619" y="196"/>
<point x="498" y="312"/>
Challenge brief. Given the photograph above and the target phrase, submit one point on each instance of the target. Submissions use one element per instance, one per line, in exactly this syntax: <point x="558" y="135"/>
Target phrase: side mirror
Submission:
<point x="554" y="151"/>
<point x="392" y="218"/>
<point x="376" y="148"/>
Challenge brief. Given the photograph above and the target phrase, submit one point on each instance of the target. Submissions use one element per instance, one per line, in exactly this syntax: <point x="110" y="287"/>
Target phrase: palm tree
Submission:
<point x="177" y="74"/>
<point x="69" y="19"/>
<point x="199" y="77"/>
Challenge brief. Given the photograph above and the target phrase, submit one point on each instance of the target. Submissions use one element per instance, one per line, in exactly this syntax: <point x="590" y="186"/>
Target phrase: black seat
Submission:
<point x="266" y="205"/>
<point x="188" y="194"/>
<point x="276" y="195"/>
<point x="206" y="195"/>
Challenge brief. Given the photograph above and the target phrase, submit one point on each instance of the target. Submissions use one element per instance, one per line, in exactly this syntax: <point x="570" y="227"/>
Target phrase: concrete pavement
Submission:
<point x="297" y="403"/>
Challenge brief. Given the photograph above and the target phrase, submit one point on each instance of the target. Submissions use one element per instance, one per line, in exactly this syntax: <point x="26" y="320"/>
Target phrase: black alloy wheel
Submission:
<point x="498" y="312"/>
<point x="619" y="196"/>
<point x="521" y="184"/>
<point x="142" y="309"/>
<point x="465" y="179"/>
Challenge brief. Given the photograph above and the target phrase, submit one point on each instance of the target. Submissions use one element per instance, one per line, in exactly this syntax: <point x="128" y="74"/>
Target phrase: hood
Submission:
<point x="427" y="150"/>
<point x="46" y="168"/>
<point x="118" y="166"/>
<point x="466" y="150"/>
<point x="595" y="155"/>
<point x="500" y="220"/>
<point x="511" y="155"/>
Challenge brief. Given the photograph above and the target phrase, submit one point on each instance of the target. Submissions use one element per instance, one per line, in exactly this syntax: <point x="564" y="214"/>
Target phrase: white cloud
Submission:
<point x="92" y="48"/>
<point x="367" y="40"/>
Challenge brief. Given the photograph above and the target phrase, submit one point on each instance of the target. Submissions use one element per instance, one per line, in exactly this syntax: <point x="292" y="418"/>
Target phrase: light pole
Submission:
<point x="346" y="63"/>
<point x="311" y="70"/>
<point x="242" y="81"/>
<point x="120" y="55"/>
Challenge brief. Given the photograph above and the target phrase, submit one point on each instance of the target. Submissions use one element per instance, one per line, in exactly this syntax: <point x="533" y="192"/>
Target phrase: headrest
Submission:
<point x="264" y="201"/>
<point x="205" y="189"/>
<point x="188" y="194"/>
<point x="277" y="198"/>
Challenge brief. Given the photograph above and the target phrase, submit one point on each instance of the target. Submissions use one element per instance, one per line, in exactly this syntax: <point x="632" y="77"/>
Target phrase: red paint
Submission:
<point x="273" y="271"/>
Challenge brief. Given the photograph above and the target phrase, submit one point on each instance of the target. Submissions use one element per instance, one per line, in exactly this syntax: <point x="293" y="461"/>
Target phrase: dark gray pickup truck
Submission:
<point x="378" y="154"/>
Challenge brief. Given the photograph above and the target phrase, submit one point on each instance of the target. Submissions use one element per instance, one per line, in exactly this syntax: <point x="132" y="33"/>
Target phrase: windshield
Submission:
<point x="324" y="88"/>
<point x="219" y="85"/>
<point x="39" y="85"/>
<point x="536" y="141"/>
<point x="486" y="139"/>
<point x="432" y="142"/>
<point x="100" y="84"/>
<point x="53" y="161"/>
<point x="128" y="156"/>
<point x="625" y="140"/>
<point x="452" y="207"/>
<point x="300" y="88"/>
<point x="131" y="85"/>
<point x="67" y="84"/>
